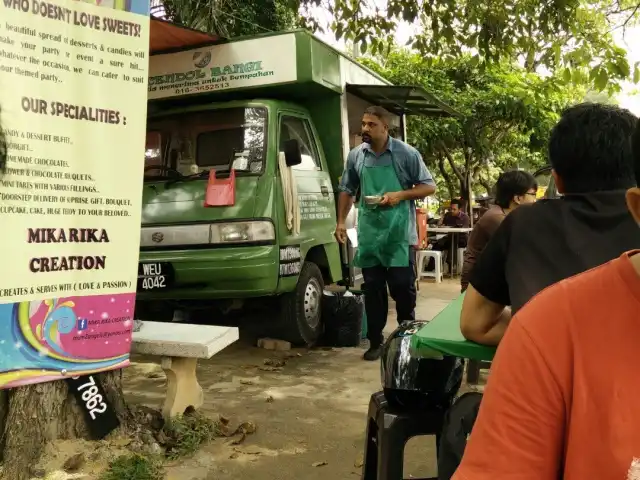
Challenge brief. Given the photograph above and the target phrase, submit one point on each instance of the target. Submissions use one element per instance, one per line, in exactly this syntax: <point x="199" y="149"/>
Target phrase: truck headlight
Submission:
<point x="207" y="234"/>
<point x="242" y="232"/>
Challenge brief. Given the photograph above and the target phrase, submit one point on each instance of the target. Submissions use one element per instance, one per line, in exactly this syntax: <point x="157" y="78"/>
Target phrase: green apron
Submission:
<point x="383" y="231"/>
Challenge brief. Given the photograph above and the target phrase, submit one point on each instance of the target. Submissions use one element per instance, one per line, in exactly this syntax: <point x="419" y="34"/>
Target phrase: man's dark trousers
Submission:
<point x="402" y="287"/>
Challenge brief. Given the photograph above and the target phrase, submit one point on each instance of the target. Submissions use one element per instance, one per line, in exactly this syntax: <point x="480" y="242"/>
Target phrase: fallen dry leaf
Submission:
<point x="246" y="382"/>
<point x="249" y="450"/>
<point x="120" y="441"/>
<point x="358" y="463"/>
<point x="319" y="464"/>
<point x="270" y="369"/>
<point x="238" y="439"/>
<point x="74" y="463"/>
<point x="275" y="362"/>
<point x="269" y="399"/>
<point x="247" y="428"/>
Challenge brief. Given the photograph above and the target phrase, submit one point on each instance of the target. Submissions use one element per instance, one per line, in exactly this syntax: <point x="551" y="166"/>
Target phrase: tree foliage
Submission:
<point x="506" y="116"/>
<point x="573" y="38"/>
<point x="231" y="18"/>
<point x="570" y="37"/>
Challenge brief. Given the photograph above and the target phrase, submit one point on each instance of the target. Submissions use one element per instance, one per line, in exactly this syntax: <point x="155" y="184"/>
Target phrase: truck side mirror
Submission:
<point x="292" y="153"/>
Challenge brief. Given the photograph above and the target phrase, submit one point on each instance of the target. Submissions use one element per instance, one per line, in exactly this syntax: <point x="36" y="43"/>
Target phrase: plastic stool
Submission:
<point x="423" y="255"/>
<point x="388" y="430"/>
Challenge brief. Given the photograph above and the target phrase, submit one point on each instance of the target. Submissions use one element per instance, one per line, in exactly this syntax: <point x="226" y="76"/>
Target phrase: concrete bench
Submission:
<point x="180" y="346"/>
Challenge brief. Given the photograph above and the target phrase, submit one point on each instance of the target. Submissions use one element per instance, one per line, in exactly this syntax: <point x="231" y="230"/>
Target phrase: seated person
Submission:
<point x="562" y="398"/>
<point x="513" y="188"/>
<point x="540" y="244"/>
<point x="454" y="218"/>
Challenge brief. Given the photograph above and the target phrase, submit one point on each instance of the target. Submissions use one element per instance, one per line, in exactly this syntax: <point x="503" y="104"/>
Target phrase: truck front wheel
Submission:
<point x="301" y="316"/>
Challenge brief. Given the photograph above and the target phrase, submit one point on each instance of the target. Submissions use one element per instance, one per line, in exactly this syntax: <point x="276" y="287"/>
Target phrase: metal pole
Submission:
<point x="403" y="127"/>
<point x="469" y="195"/>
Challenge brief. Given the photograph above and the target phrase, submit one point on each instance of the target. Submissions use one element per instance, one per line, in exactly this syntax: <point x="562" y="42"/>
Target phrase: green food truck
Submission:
<point x="246" y="143"/>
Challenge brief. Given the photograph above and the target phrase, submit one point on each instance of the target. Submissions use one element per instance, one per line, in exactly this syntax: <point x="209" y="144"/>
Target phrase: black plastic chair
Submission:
<point x="388" y="430"/>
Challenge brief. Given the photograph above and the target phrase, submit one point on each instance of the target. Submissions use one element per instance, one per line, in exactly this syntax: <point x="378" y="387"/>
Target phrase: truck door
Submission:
<point x="315" y="192"/>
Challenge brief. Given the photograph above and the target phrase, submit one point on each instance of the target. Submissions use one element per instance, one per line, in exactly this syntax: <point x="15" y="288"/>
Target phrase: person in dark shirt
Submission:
<point x="454" y="218"/>
<point x="540" y="244"/>
<point x="513" y="188"/>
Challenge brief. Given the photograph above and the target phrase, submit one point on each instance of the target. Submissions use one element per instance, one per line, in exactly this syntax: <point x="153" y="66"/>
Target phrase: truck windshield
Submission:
<point x="191" y="143"/>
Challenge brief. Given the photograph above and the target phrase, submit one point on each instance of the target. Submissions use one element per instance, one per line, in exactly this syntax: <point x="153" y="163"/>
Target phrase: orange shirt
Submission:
<point x="563" y="398"/>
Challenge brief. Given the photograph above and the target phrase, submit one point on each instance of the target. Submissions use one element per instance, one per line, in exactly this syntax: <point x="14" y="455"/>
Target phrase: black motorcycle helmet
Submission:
<point x="418" y="381"/>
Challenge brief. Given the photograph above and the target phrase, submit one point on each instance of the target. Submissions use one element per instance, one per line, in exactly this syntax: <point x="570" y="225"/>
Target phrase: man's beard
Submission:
<point x="366" y="138"/>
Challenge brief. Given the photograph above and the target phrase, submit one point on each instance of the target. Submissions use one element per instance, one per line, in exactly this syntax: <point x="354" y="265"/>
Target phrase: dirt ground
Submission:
<point x="310" y="414"/>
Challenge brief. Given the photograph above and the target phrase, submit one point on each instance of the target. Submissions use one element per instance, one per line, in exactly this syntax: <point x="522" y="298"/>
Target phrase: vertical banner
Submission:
<point x="73" y="93"/>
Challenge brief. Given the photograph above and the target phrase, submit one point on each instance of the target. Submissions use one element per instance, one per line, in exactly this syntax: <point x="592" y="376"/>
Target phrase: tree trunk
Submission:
<point x="34" y="415"/>
<point x="446" y="176"/>
<point x="464" y="191"/>
<point x="486" y="185"/>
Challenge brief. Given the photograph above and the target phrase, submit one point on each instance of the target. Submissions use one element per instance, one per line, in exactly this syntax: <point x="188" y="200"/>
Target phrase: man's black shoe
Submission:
<point x="373" y="353"/>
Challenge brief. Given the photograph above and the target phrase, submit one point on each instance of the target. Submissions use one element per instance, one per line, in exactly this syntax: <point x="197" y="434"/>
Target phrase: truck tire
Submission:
<point x="301" y="318"/>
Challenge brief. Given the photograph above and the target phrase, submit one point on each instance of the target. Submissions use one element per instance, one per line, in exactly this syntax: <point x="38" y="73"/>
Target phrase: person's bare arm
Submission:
<point x="483" y="321"/>
<point x="484" y="318"/>
<point x="349" y="183"/>
<point x="418" y="192"/>
<point x="345" y="202"/>
<point x="420" y="177"/>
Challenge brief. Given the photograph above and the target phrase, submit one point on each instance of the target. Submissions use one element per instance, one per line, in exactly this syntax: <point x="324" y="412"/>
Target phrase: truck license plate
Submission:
<point x="154" y="276"/>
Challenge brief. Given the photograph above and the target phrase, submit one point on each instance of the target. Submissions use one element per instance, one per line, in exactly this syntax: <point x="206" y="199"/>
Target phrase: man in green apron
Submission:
<point x="390" y="175"/>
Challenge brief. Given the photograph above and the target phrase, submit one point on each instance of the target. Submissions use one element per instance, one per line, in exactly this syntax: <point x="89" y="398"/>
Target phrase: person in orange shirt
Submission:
<point x="563" y="398"/>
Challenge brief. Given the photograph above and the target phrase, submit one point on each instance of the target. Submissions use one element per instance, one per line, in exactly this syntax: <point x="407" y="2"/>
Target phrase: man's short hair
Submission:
<point x="379" y="112"/>
<point x="590" y="150"/>
<point x="511" y="184"/>
<point x="456" y="201"/>
<point x="635" y="146"/>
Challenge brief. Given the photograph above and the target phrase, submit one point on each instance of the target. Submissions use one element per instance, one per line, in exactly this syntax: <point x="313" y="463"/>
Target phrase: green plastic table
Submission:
<point x="443" y="335"/>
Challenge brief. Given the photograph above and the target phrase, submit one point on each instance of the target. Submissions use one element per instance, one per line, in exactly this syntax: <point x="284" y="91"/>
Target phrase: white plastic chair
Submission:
<point x="423" y="256"/>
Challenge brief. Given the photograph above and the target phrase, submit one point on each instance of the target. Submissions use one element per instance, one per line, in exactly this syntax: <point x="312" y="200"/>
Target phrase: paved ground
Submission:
<point x="310" y="415"/>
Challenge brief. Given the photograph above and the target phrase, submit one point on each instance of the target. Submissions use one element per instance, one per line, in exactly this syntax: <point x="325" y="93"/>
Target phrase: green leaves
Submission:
<point x="507" y="113"/>
<point x="232" y="18"/>
<point x="599" y="77"/>
<point x="558" y="35"/>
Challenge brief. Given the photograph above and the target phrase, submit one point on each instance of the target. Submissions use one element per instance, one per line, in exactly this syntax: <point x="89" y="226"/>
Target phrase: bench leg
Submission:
<point x="183" y="389"/>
